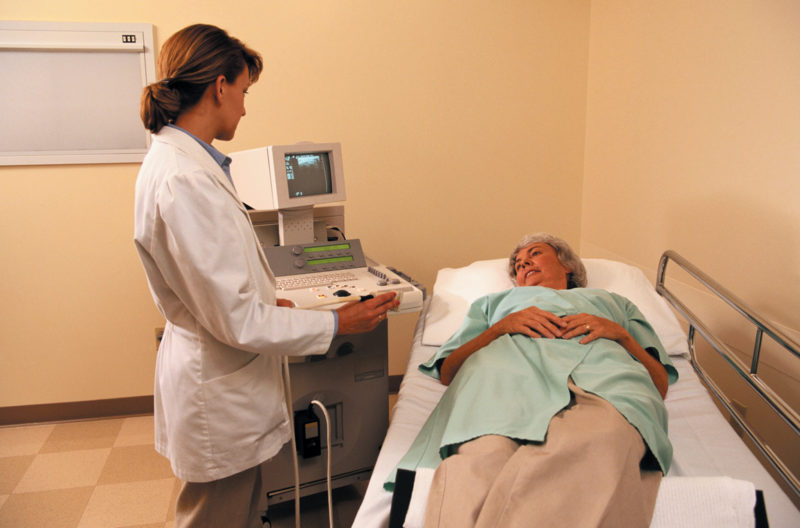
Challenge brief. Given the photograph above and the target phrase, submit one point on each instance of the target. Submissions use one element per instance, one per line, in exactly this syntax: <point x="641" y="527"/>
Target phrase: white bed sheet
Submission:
<point x="704" y="443"/>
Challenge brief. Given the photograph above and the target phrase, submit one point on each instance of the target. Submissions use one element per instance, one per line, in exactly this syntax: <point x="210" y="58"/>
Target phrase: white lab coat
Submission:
<point x="219" y="401"/>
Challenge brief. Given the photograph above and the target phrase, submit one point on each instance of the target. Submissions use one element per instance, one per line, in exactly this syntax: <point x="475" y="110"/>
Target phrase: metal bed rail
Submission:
<point x="748" y="373"/>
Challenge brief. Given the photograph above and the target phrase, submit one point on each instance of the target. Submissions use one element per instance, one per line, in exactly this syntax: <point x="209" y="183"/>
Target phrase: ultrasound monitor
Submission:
<point x="290" y="179"/>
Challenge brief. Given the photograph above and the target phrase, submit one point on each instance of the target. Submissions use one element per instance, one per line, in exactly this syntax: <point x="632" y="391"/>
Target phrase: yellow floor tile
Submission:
<point x="134" y="463"/>
<point x="137" y="430"/>
<point x="50" y="509"/>
<point x="26" y="440"/>
<point x="3" y="499"/>
<point x="82" y="435"/>
<point x="11" y="471"/>
<point x="71" y="469"/>
<point x="132" y="503"/>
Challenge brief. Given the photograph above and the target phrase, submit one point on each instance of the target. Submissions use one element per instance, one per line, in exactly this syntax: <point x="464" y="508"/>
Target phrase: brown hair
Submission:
<point x="189" y="61"/>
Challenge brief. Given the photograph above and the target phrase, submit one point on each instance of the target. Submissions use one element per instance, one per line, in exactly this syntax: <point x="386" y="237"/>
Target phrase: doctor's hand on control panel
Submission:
<point x="357" y="317"/>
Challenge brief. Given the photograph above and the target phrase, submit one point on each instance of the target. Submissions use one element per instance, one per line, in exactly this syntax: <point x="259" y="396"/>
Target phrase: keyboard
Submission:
<point x="295" y="282"/>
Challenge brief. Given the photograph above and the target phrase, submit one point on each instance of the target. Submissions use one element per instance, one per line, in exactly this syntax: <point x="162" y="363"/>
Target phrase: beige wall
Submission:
<point x="693" y="144"/>
<point x="462" y="126"/>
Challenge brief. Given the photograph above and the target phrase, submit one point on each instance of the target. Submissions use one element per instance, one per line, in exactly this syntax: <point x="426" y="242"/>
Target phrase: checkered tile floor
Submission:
<point x="106" y="474"/>
<point x="89" y="474"/>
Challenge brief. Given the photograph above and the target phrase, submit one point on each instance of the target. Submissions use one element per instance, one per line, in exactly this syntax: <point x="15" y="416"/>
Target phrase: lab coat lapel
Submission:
<point x="193" y="149"/>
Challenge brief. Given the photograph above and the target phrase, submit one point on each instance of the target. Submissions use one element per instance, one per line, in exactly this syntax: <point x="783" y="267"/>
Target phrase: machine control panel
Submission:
<point x="297" y="259"/>
<point x="316" y="276"/>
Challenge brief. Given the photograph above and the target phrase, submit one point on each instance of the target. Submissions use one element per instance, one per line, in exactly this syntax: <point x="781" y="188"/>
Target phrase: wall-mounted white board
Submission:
<point x="72" y="90"/>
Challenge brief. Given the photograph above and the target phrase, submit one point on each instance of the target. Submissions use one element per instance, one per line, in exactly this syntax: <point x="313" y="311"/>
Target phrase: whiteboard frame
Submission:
<point x="80" y="36"/>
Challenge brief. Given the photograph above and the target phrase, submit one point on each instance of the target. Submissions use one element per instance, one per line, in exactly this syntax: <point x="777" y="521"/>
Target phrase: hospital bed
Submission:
<point x="715" y="480"/>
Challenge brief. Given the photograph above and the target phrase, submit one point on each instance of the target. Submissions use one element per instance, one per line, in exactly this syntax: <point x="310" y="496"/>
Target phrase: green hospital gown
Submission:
<point x="516" y="384"/>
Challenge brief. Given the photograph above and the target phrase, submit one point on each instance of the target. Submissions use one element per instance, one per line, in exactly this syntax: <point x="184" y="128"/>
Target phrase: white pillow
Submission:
<point x="457" y="288"/>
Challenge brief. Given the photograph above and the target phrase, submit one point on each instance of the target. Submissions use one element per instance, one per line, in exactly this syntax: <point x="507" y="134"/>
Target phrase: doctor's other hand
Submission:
<point x="359" y="317"/>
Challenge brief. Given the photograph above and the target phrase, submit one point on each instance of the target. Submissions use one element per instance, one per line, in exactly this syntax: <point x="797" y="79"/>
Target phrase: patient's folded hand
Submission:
<point x="533" y="322"/>
<point x="593" y="327"/>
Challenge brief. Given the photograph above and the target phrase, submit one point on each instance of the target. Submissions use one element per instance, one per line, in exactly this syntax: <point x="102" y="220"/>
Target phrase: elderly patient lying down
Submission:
<point x="554" y="414"/>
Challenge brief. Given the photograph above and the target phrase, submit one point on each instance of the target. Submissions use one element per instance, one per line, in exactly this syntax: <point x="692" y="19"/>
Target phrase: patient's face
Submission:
<point x="538" y="265"/>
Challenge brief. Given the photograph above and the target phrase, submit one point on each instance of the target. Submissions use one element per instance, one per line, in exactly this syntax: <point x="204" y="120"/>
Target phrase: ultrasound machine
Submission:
<point x="290" y="189"/>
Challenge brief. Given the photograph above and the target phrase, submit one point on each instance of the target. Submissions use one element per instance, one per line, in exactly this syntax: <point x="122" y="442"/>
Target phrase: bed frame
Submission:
<point x="748" y="373"/>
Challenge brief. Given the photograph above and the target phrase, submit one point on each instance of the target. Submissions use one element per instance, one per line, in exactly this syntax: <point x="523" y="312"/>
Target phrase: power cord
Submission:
<point x="287" y="384"/>
<point x="334" y="228"/>
<point x="328" y="445"/>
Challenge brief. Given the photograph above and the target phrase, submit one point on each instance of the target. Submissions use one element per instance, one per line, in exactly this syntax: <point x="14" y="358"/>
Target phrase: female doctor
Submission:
<point x="219" y="402"/>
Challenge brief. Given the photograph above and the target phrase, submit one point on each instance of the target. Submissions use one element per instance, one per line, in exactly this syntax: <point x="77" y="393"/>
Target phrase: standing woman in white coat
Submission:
<point x="219" y="401"/>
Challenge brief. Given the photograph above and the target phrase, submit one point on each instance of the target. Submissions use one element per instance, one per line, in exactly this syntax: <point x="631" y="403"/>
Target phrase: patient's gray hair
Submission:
<point x="568" y="258"/>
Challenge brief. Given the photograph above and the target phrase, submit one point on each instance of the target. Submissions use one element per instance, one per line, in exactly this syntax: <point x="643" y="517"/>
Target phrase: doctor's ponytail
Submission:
<point x="189" y="62"/>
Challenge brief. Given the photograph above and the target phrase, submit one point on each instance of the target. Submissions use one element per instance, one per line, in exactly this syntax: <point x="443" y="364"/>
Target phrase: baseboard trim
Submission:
<point x="82" y="410"/>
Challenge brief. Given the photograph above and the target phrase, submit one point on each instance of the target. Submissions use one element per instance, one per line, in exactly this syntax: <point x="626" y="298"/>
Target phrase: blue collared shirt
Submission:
<point x="223" y="160"/>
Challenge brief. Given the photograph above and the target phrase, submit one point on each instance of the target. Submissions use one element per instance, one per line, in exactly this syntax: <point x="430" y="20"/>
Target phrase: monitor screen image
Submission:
<point x="308" y="174"/>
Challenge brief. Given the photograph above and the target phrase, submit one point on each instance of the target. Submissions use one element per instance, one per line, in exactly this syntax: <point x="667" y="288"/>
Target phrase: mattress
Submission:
<point x="713" y="473"/>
